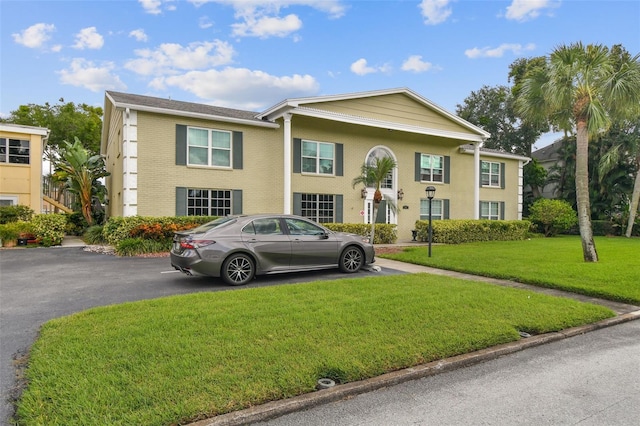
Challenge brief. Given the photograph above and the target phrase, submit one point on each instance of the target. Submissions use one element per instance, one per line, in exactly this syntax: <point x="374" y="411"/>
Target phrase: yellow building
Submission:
<point x="300" y="156"/>
<point x="21" y="150"/>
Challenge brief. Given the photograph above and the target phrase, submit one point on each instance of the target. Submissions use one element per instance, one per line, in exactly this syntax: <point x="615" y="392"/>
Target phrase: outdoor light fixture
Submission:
<point x="400" y="194"/>
<point x="431" y="192"/>
<point x="363" y="193"/>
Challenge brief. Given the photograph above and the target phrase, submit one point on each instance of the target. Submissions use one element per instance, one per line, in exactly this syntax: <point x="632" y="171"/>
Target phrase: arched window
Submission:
<point x="381" y="152"/>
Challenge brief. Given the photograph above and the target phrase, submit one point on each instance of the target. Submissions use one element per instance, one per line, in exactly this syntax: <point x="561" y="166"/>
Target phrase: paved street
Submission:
<point x="591" y="380"/>
<point x="39" y="284"/>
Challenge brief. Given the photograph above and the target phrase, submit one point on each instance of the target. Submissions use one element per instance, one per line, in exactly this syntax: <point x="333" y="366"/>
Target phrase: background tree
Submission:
<point x="65" y="121"/>
<point x="581" y="88"/>
<point x="82" y="172"/>
<point x="372" y="175"/>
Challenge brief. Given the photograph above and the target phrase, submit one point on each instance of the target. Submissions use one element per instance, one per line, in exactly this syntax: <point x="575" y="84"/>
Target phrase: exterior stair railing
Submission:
<point x="56" y="198"/>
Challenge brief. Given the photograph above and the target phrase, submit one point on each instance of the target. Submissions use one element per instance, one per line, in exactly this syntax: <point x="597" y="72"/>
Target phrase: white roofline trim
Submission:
<point x="464" y="150"/>
<point x="310" y="112"/>
<point x="20" y="128"/>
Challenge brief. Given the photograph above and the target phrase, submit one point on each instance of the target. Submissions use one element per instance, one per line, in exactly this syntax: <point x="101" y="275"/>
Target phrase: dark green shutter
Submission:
<point x="237" y="150"/>
<point x="297" y="155"/>
<point x="338" y="208"/>
<point x="417" y="165"/>
<point x="502" y="174"/>
<point x="236" y="207"/>
<point x="297" y="203"/>
<point x="445" y="209"/>
<point x="381" y="214"/>
<point x="181" y="201"/>
<point x="181" y="145"/>
<point x="501" y="210"/>
<point x="339" y="159"/>
<point x="480" y="173"/>
<point x="447" y="167"/>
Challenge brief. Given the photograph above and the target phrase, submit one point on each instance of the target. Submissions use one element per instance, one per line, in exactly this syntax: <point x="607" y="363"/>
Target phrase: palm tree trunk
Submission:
<point x="582" y="193"/>
<point x="633" y="207"/>
<point x="374" y="215"/>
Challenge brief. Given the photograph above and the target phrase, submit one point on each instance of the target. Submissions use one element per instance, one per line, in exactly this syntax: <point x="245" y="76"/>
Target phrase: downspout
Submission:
<point x="476" y="190"/>
<point x="45" y="140"/>
<point x="287" y="164"/>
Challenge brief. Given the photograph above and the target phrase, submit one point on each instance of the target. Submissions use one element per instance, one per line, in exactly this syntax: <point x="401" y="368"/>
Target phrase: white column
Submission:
<point x="130" y="163"/>
<point x="287" y="164"/>
<point x="476" y="189"/>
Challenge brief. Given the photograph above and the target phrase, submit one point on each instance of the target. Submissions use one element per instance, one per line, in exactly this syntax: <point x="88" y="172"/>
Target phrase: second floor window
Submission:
<point x="431" y="168"/>
<point x="317" y="157"/>
<point x="490" y="174"/>
<point x="14" y="151"/>
<point x="209" y="147"/>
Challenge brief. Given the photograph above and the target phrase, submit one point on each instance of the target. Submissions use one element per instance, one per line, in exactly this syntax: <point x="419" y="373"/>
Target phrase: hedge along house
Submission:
<point x="21" y="151"/>
<point x="171" y="158"/>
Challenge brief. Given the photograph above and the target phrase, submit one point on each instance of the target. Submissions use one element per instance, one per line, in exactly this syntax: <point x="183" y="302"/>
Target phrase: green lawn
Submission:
<point x="184" y="358"/>
<point x="550" y="262"/>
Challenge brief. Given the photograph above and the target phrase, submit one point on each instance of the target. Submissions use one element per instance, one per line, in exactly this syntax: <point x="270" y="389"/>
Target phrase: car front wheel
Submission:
<point x="238" y="269"/>
<point x="351" y="260"/>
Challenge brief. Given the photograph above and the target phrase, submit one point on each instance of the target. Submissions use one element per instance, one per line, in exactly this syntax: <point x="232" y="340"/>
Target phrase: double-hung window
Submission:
<point x="431" y="168"/>
<point x="209" y="202"/>
<point x="490" y="174"/>
<point x="318" y="157"/>
<point x="14" y="151"/>
<point x="490" y="210"/>
<point x="437" y="211"/>
<point x="318" y="207"/>
<point x="209" y="147"/>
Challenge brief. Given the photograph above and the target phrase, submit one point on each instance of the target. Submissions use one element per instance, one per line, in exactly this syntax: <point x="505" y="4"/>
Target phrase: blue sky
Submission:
<point x="251" y="54"/>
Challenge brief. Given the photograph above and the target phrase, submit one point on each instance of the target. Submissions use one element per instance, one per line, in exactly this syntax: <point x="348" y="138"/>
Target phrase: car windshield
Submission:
<point x="213" y="224"/>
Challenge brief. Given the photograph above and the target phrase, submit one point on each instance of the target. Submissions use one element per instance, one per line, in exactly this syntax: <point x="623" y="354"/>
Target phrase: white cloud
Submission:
<point x="435" y="11"/>
<point x="204" y="22"/>
<point x="139" y="35"/>
<point x="35" y="36"/>
<point x="88" y="38"/>
<point x="171" y="57"/>
<point x="261" y="18"/>
<point x="498" y="52"/>
<point x="84" y="73"/>
<point x="240" y="87"/>
<point x="415" y="64"/>
<point x="361" y="67"/>
<point x="265" y="26"/>
<point x="151" y="6"/>
<point x="524" y="10"/>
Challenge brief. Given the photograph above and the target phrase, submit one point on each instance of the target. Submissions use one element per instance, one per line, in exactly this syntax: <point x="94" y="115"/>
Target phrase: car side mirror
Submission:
<point x="324" y="236"/>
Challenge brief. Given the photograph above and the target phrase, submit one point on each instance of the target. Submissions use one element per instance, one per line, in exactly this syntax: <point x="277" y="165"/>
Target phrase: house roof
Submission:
<point x="298" y="106"/>
<point x="488" y="152"/>
<point x="549" y="152"/>
<point x="192" y="109"/>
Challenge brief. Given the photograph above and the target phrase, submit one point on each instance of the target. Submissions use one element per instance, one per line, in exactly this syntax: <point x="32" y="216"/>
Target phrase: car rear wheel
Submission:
<point x="238" y="269"/>
<point x="351" y="260"/>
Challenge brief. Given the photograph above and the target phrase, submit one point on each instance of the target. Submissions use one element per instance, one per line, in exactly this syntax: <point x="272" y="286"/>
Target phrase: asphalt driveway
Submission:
<point x="40" y="284"/>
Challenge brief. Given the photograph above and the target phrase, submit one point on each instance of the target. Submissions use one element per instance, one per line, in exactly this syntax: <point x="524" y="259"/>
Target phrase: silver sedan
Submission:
<point x="237" y="248"/>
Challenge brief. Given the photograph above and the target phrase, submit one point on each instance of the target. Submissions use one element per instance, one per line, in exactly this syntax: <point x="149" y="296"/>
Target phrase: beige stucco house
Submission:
<point x="21" y="150"/>
<point x="300" y="156"/>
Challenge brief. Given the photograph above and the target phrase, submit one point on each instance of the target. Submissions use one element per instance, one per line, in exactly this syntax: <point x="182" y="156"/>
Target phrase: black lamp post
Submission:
<point x="431" y="191"/>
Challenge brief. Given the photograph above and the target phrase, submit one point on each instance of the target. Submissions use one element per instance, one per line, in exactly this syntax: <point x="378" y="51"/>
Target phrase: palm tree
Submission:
<point x="626" y="150"/>
<point x="373" y="174"/>
<point x="582" y="89"/>
<point x="82" y="173"/>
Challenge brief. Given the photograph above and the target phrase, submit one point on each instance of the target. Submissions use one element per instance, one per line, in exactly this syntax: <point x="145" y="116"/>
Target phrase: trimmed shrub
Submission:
<point x="17" y="213"/>
<point x="119" y="228"/>
<point x="466" y="231"/>
<point x="385" y="233"/>
<point x="552" y="216"/>
<point x="49" y="229"/>
<point x="13" y="230"/>
<point x="135" y="246"/>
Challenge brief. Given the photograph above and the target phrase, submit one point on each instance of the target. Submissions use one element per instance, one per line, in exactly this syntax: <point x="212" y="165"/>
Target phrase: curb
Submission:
<point x="275" y="409"/>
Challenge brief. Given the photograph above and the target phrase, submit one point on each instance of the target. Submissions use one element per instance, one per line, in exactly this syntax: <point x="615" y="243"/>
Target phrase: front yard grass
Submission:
<point x="549" y="262"/>
<point x="183" y="358"/>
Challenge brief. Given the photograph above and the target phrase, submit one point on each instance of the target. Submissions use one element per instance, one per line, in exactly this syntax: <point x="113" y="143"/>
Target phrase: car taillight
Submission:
<point x="195" y="244"/>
